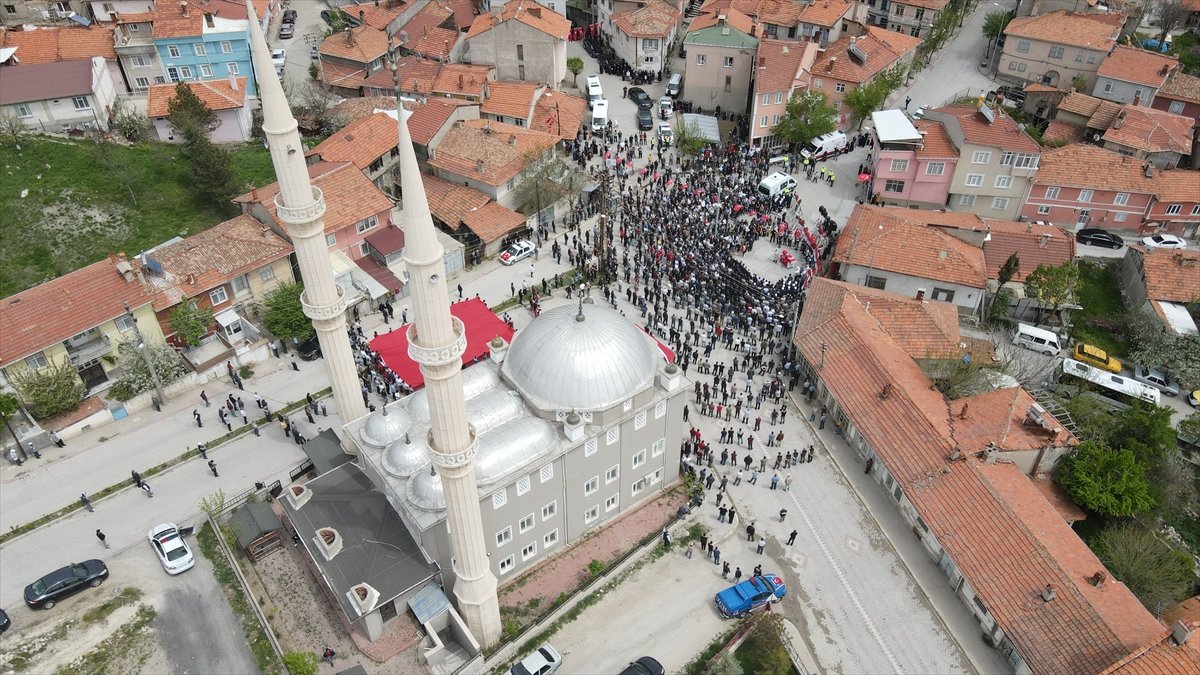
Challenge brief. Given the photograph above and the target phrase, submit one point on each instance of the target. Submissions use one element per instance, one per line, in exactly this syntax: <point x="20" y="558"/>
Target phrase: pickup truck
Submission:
<point x="754" y="593"/>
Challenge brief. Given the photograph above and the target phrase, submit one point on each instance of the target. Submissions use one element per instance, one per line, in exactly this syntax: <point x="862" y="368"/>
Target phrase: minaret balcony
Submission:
<point x="302" y="214"/>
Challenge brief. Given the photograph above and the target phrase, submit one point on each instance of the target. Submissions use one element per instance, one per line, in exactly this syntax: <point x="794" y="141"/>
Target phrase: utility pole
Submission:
<point x="604" y="225"/>
<point x="144" y="350"/>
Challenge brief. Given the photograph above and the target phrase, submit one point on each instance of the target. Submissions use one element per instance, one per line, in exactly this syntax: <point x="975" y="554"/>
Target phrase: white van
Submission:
<point x="594" y="93"/>
<point x="600" y="115"/>
<point x="776" y="183"/>
<point x="823" y="146"/>
<point x="675" y="85"/>
<point x="1037" y="339"/>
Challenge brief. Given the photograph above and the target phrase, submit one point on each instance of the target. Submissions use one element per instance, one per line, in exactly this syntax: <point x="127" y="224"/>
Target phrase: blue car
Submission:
<point x="754" y="593"/>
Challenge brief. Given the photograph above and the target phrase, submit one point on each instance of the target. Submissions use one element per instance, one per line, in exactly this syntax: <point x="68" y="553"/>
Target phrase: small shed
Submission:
<point x="259" y="531"/>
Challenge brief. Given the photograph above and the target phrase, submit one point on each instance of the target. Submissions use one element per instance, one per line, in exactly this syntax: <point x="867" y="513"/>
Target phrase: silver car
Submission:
<point x="1156" y="378"/>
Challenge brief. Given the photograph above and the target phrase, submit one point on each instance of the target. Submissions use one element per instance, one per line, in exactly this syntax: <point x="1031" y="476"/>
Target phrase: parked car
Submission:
<point x="64" y="582"/>
<point x="544" y="661"/>
<point x="1011" y="93"/>
<point x="286" y="31"/>
<point x="5" y="622"/>
<point x="1163" y="241"/>
<point x="666" y="107"/>
<point x="645" y="119"/>
<point x="1156" y="378"/>
<point x="754" y="593"/>
<point x="279" y="58"/>
<point x="665" y="134"/>
<point x="640" y="97"/>
<point x="647" y="665"/>
<point x="289" y="16"/>
<point x="1094" y="356"/>
<point x="310" y="349"/>
<point x="172" y="551"/>
<point x="1194" y="399"/>
<point x="1094" y="236"/>
<point x="516" y="251"/>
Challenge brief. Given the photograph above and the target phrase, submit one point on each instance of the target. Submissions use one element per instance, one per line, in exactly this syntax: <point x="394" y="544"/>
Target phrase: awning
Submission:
<point x="352" y="278"/>
<point x="227" y="318"/>
<point x="428" y="603"/>
<point x="380" y="274"/>
<point x="81" y="20"/>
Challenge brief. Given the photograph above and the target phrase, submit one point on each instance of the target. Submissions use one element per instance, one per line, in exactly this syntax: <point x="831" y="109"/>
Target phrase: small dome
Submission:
<point x="424" y="491"/>
<point x="384" y="426"/>
<point x="403" y="459"/>
<point x="475" y="380"/>
<point x="584" y="357"/>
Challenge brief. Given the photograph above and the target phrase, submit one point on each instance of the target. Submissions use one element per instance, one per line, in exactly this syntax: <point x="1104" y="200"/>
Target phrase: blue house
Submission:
<point x="206" y="39"/>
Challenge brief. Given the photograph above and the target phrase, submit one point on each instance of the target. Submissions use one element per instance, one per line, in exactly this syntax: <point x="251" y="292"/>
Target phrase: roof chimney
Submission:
<point x="350" y="36"/>
<point x="536" y="12"/>
<point x="720" y="19"/>
<point x="920" y="295"/>
<point x="1120" y="119"/>
<point x="479" y="165"/>
<point x="762" y="62"/>
<point x="233" y="82"/>
<point x="1137" y="98"/>
<point x="460" y="81"/>
<point x="962" y="414"/>
<point x="183" y="8"/>
<point x="1048" y="593"/>
<point x="832" y="60"/>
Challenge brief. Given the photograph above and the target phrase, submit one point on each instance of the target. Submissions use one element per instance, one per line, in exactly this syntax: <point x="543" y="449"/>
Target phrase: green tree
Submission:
<point x="689" y="139"/>
<point x="187" y="114"/>
<point x="51" y="390"/>
<point x="211" y="170"/>
<point x="575" y="65"/>
<point x="1158" y="575"/>
<point x="1105" y="481"/>
<point x="1053" y="285"/>
<point x="1079" y="82"/>
<point x="808" y="115"/>
<point x="1009" y="269"/>
<point x="993" y="27"/>
<point x="190" y="322"/>
<point x="126" y="119"/>
<point x="1153" y="344"/>
<point x="136" y="378"/>
<point x="763" y="651"/>
<point x="867" y="98"/>
<point x="284" y="315"/>
<point x="9" y="405"/>
<point x="1145" y="430"/>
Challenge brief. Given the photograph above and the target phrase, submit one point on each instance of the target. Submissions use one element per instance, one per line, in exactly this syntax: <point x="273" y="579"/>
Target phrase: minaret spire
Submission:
<point x="301" y="207"/>
<point x="437" y="341"/>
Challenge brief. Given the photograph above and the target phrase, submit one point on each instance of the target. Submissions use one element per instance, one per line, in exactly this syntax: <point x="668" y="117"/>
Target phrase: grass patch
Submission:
<point x="1187" y="47"/>
<point x="20" y="658"/>
<point x="124" y="651"/>
<point x="698" y="665"/>
<point x="1102" y="320"/>
<point x="126" y="597"/>
<point x="62" y="208"/>
<point x="256" y="635"/>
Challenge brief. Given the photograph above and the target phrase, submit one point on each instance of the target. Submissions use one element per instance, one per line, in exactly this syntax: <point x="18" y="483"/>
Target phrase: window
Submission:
<point x="232" y="68"/>
<point x="893" y="186"/>
<point x="1008" y="158"/>
<point x="23" y="110"/>
<point x="36" y="361"/>
<point x="899" y="165"/>
<point x="198" y="49"/>
<point x="701" y="59"/>
<point x="185" y="72"/>
<point x="226" y="47"/>
<point x="591" y="515"/>
<point x="966" y="200"/>
<point x="1079" y="56"/>
<point x="763" y="122"/>
<point x="1137" y="93"/>
<point x="523" y="486"/>
<point x="1043" y="210"/>
<point x="173" y="51"/>
<point x="766" y="99"/>
<point x="141" y="83"/>
<point x="974" y="180"/>
<point x="999" y="203"/>
<point x="779" y="98"/>
<point x="920" y="14"/>
<point x="1056" y="52"/>
<point x="1174" y="209"/>
<point x="499" y="498"/>
<point x="650" y="44"/>
<point x="943" y="295"/>
<point x="550" y="510"/>
<point x="899" y="10"/>
<point x="206" y="70"/>
<point x="526" y="524"/>
<point x="331" y="239"/>
<point x="656" y="477"/>
<point x="124" y="323"/>
<point x="627" y="405"/>
<point x="240" y="284"/>
<point x="639" y="420"/>
<point x="1004" y="182"/>
<point x="1051" y="193"/>
<point x="935" y="168"/>
<point x="1023" y="46"/>
<point x="613" y="473"/>
<point x="507" y="565"/>
<point x="1176" y="108"/>
<point x="366" y="224"/>
<point x="266" y="274"/>
<point x="529" y="550"/>
<point x="775" y="120"/>
<point x="613" y="435"/>
<point x="546" y="472"/>
<point x="591" y="486"/>
<point x="1108" y="87"/>
<point x="1120" y="216"/>
<point x="550" y="539"/>
<point x="981" y="157"/>
<point x="660" y="409"/>
<point x="1121" y="199"/>
<point x="589" y="448"/>
<point x="1026" y="160"/>
<point x="637" y="487"/>
<point x="1085" y="195"/>
<point x="728" y="61"/>
<point x="728" y="82"/>
<point x="1091" y="58"/>
<point x="139" y="61"/>
<point x="612" y="503"/>
<point x="818" y="83"/>
<point x="81" y="103"/>
<point x="659" y="447"/>
<point x="218" y="296"/>
<point x="10" y="9"/>
<point x="876" y="282"/>
<point x="639" y="459"/>
<point x="520" y="52"/>
<point x="504" y="536"/>
<point x="1196" y="209"/>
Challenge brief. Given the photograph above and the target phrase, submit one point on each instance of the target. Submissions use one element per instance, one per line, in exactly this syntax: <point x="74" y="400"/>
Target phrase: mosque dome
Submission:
<point x="424" y="491"/>
<point x="384" y="426"/>
<point x="584" y="357"/>
<point x="404" y="457"/>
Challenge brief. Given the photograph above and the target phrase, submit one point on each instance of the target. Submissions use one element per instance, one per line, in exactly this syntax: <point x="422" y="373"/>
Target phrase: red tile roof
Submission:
<point x="64" y="43"/>
<point x="783" y="12"/>
<point x="747" y="7"/>
<point x="1183" y="87"/>
<point x="359" y="107"/>
<point x="360" y="142"/>
<point x="1034" y="245"/>
<point x="461" y="80"/>
<point x="1092" y="167"/>
<point x="558" y="113"/>
<point x="356" y="77"/>
<point x="1062" y="133"/>
<point x="1170" y="275"/>
<point x="882" y="47"/>
<point x="493" y="221"/>
<point x="360" y="45"/>
<point x="349" y="195"/>
<point x="733" y="18"/>
<point x="58" y="309"/>
<point x="1178" y="185"/>
<point x="487" y="151"/>
<point x="1162" y="656"/>
<point x="655" y="19"/>
<point x="387" y="240"/>
<point x="378" y="16"/>
<point x="527" y="12"/>
<point x="1150" y="130"/>
<point x="511" y="99"/>
<point x="1137" y="65"/>
<point x="936" y="143"/>
<point x="825" y="14"/>
<point x="1092" y="31"/>
<point x="779" y="63"/>
<point x="1002" y="133"/>
<point x="901" y="241"/>
<point x="999" y="419"/>
<point x="216" y="94"/>
<point x="43" y="81"/>
<point x="170" y="22"/>
<point x="449" y="202"/>
<point x="431" y="31"/>
<point x="431" y="116"/>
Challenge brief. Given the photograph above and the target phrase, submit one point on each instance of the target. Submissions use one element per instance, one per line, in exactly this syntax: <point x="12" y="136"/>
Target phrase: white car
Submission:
<point x="544" y="661"/>
<point x="665" y="133"/>
<point x="279" y="59"/>
<point x="172" y="551"/>
<point x="516" y="251"/>
<point x="1163" y="241"/>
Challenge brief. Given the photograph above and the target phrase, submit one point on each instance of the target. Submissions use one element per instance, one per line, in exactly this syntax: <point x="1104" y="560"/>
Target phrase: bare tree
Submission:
<point x="11" y="125"/>
<point x="1170" y="14"/>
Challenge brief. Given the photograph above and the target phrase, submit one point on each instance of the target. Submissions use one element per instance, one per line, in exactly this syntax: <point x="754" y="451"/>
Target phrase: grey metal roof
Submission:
<point x="384" y="426"/>
<point x="585" y="357"/>
<point x="26" y="83"/>
<point x="253" y="521"/>
<point x="325" y="451"/>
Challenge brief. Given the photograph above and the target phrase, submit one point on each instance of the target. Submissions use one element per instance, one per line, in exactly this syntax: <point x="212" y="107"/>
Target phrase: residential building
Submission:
<point x="558" y="113"/>
<point x="641" y="32"/>
<point x="1177" y="647"/>
<point x="491" y="157"/>
<point x="1176" y="205"/>
<point x="899" y="250"/>
<point x="720" y="61"/>
<point x="912" y="17"/>
<point x="422" y="78"/>
<point x="828" y="21"/>
<point x="431" y="33"/>
<point x="1133" y="75"/>
<point x="41" y="45"/>
<point x="1180" y="95"/>
<point x="524" y="41"/>
<point x="481" y="225"/>
<point x="33" y="11"/>
<point x="205" y="42"/>
<point x="557" y="6"/>
<point x="1164" y="282"/>
<point x="133" y="42"/>
<point x="1054" y="48"/>
<point x="783" y="70"/>
<point x="432" y="120"/>
<point x="913" y="162"/>
<point x="997" y="160"/>
<point x="1158" y="137"/>
<point x="77" y="319"/>
<point x="1082" y="185"/>
<point x="369" y="143"/>
<point x="1033" y="243"/>
<point x="109" y="10"/>
<point x="965" y="474"/>
<point x="511" y="102"/>
<point x="226" y="98"/>
<point x="779" y="19"/>
<point x="1080" y="117"/>
<point x="352" y="63"/>
<point x="854" y="61"/>
<point x="60" y="96"/>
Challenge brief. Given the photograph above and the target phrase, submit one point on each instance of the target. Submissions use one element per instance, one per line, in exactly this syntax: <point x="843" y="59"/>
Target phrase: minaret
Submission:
<point x="300" y="207"/>
<point x="437" y="340"/>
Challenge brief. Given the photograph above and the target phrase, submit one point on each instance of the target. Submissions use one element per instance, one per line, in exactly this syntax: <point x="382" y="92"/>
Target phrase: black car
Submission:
<point x="5" y="622"/>
<point x="66" y="581"/>
<point x="310" y="349"/>
<point x="640" y="97"/>
<point x="647" y="665"/>
<point x="289" y="16"/>
<point x="645" y="119"/>
<point x="1094" y="236"/>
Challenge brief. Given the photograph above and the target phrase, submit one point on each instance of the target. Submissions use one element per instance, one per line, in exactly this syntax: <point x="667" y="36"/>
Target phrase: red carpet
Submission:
<point x="481" y="324"/>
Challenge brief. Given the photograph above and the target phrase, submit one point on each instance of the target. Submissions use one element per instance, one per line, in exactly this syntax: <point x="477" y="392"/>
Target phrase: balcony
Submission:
<point x="88" y="351"/>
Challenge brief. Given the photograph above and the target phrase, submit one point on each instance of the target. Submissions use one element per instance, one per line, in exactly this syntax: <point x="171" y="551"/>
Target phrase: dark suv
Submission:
<point x="63" y="582"/>
<point x="310" y="349"/>
<point x="640" y="97"/>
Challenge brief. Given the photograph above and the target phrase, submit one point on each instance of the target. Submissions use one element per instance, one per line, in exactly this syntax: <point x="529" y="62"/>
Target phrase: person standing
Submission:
<point x="212" y="466"/>
<point x="295" y="366"/>
<point x="750" y="532"/>
<point x="737" y="575"/>
<point x="725" y="571"/>
<point x="196" y="416"/>
<point x="328" y="654"/>
<point x="787" y="483"/>
<point x="87" y="503"/>
<point x="721" y="514"/>
<point x="762" y="545"/>
<point x="791" y="538"/>
<point x="717" y="555"/>
<point x="103" y="539"/>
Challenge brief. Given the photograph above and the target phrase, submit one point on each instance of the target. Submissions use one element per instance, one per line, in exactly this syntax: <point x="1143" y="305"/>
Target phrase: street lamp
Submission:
<point x="161" y="396"/>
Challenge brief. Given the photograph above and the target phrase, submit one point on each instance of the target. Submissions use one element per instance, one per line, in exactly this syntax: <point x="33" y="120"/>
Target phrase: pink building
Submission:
<point x="1080" y="186"/>
<point x="913" y="162"/>
<point x="1176" y="206"/>
<point x="782" y="70"/>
